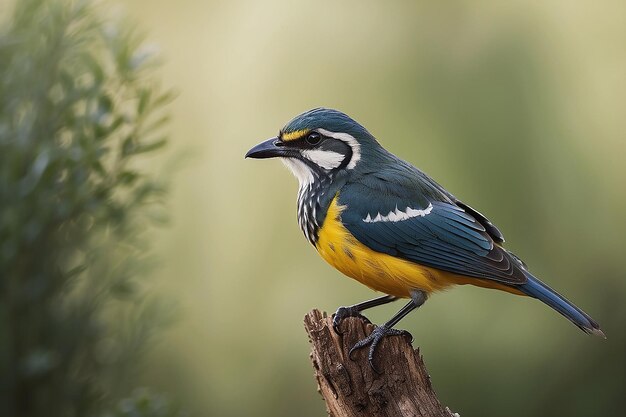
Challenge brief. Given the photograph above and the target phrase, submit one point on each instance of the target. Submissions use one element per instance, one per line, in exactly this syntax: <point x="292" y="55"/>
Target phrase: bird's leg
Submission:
<point x="417" y="299"/>
<point x="355" y="310"/>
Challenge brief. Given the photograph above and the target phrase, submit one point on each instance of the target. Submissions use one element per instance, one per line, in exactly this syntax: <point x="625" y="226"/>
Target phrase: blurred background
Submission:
<point x="515" y="107"/>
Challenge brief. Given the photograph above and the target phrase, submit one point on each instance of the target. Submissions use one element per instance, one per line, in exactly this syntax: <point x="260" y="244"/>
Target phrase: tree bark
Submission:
<point x="353" y="388"/>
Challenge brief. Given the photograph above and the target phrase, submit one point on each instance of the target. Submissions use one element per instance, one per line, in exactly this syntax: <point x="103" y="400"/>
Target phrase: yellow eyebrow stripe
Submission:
<point x="296" y="134"/>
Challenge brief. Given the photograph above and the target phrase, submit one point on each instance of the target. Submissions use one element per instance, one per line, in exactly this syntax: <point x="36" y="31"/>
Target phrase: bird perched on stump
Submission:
<point x="388" y="225"/>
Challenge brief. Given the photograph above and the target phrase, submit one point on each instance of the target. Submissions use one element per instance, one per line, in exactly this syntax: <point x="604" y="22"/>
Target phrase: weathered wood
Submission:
<point x="352" y="388"/>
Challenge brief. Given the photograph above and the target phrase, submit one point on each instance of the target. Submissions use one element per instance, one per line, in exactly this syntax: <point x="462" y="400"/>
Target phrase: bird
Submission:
<point x="383" y="222"/>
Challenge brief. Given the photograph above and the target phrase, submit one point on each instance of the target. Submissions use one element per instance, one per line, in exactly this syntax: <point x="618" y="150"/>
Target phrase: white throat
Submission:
<point x="301" y="171"/>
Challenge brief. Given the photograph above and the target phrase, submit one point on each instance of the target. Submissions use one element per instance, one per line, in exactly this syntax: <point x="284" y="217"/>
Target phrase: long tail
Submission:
<point x="542" y="292"/>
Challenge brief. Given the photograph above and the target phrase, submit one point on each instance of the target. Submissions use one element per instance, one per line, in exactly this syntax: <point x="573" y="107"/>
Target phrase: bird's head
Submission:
<point x="318" y="143"/>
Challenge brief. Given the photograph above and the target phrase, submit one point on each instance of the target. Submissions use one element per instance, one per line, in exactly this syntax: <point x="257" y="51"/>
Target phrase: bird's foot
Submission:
<point x="374" y="339"/>
<point x="342" y="313"/>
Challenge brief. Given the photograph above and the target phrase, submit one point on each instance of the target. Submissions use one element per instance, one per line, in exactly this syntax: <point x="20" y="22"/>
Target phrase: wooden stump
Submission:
<point x="352" y="388"/>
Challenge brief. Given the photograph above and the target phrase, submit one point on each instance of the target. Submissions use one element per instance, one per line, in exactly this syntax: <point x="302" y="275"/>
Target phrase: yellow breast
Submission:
<point x="382" y="272"/>
<point x="379" y="271"/>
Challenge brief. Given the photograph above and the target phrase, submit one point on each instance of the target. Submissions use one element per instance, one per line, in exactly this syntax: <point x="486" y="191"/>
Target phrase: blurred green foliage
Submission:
<point x="144" y="403"/>
<point x="78" y="111"/>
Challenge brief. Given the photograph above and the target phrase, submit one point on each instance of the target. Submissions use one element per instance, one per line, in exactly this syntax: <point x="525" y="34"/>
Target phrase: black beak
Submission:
<point x="271" y="148"/>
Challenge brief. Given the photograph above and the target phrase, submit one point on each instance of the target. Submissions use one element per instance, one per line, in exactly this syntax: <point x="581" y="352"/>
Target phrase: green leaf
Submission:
<point x="128" y="177"/>
<point x="144" y="100"/>
<point x="150" y="147"/>
<point x="164" y="98"/>
<point x="156" y="124"/>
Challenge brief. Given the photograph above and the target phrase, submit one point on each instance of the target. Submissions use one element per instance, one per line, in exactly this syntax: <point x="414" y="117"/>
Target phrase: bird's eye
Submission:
<point x="313" y="138"/>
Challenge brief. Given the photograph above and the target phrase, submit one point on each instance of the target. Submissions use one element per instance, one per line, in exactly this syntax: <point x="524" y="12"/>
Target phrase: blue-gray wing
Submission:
<point x="430" y="230"/>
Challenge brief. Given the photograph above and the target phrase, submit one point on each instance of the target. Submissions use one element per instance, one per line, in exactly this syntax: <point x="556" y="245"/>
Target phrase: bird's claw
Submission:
<point x="342" y="313"/>
<point x="374" y="339"/>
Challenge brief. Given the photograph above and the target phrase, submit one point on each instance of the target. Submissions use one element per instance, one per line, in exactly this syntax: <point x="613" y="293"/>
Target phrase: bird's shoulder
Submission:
<point x="403" y="185"/>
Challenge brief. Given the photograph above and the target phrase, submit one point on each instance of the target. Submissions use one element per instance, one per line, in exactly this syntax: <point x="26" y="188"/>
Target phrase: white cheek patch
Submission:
<point x="348" y="140"/>
<point x="398" y="216"/>
<point x="325" y="159"/>
<point x="301" y="171"/>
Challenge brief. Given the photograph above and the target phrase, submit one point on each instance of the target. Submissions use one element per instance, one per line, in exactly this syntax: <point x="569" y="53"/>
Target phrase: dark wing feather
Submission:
<point x="489" y="227"/>
<point x="451" y="237"/>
